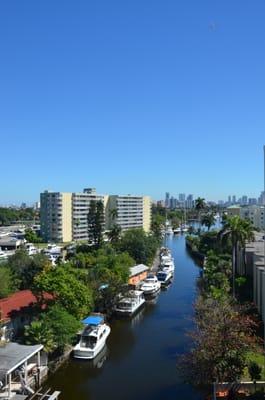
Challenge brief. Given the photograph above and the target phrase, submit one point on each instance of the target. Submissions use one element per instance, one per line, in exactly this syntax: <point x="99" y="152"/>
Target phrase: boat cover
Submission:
<point x="93" y="320"/>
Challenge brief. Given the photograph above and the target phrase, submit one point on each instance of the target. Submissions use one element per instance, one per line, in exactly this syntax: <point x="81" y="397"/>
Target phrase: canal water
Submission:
<point x="140" y="359"/>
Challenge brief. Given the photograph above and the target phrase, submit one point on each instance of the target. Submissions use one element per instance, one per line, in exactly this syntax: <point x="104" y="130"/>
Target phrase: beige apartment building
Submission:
<point x="64" y="215"/>
<point x="256" y="214"/>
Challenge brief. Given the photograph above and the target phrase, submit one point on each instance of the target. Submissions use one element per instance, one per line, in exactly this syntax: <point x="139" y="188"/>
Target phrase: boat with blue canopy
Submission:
<point x="92" y="338"/>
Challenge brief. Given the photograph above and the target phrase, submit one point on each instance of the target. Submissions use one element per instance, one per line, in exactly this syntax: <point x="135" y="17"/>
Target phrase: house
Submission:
<point x="137" y="274"/>
<point x="22" y="370"/>
<point x="16" y="311"/>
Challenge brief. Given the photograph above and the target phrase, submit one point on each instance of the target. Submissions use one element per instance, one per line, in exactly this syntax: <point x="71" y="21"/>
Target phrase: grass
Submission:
<point x="258" y="358"/>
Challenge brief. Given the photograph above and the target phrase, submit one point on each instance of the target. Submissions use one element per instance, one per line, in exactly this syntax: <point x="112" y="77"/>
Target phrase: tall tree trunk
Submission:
<point x="234" y="270"/>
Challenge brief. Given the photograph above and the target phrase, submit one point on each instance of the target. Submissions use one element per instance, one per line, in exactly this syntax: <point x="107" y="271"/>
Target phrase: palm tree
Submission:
<point x="208" y="220"/>
<point x="114" y="234"/>
<point x="239" y="231"/>
<point x="199" y="206"/>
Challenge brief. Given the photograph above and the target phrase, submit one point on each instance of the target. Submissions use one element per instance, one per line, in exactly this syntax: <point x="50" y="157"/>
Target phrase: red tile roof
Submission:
<point x="16" y="302"/>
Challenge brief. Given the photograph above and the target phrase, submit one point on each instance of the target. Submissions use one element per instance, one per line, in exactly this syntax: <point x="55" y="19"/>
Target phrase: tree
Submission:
<point x="31" y="236"/>
<point x="7" y="282"/>
<point x="208" y="220"/>
<point x="63" y="325"/>
<point x="140" y="246"/>
<point x="114" y="235"/>
<point x="238" y="231"/>
<point x="95" y="219"/>
<point x="24" y="267"/>
<point x="65" y="289"/>
<point x="40" y="333"/>
<point x="254" y="371"/>
<point x="199" y="206"/>
<point x="222" y="338"/>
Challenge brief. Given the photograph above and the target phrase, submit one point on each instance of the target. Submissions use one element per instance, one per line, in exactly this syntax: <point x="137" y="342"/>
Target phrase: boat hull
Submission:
<point x="89" y="354"/>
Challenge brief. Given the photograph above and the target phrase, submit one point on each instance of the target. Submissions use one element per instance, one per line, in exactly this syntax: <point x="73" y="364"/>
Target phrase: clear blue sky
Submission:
<point x="139" y="96"/>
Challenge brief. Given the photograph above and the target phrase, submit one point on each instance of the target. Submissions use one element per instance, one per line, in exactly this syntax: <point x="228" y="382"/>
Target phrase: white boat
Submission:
<point x="129" y="304"/>
<point x="184" y="228"/>
<point x="151" y="285"/>
<point x="31" y="249"/>
<point x="167" y="263"/>
<point x="164" y="277"/>
<point x="92" y="338"/>
<point x="177" y="230"/>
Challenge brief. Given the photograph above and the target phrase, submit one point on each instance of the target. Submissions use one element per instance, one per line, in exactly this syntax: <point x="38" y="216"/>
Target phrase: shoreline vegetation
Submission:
<point x="226" y="339"/>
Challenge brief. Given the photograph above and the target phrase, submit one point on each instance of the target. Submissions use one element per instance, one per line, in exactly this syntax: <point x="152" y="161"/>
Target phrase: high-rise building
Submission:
<point x="182" y="197"/>
<point x="229" y="200"/>
<point x="56" y="216"/>
<point x="129" y="212"/>
<point x="167" y="199"/>
<point x="234" y="199"/>
<point x="189" y="201"/>
<point x="64" y="215"/>
<point x="244" y="201"/>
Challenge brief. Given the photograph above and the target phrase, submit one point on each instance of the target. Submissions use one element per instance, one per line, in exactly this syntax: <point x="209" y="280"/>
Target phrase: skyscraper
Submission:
<point x="167" y="200"/>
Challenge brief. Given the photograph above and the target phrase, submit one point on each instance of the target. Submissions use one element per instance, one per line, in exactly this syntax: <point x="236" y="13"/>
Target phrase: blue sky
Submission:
<point x="141" y="96"/>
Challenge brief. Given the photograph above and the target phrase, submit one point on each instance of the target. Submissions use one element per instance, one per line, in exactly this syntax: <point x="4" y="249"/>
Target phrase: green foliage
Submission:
<point x="254" y="371"/>
<point x="216" y="276"/>
<point x="7" y="283"/>
<point x="66" y="290"/>
<point x="83" y="260"/>
<point x="63" y="325"/>
<point x="25" y="267"/>
<point x="10" y="215"/>
<point x="38" y="332"/>
<point x="95" y="220"/>
<point x="114" y="235"/>
<point x="55" y="329"/>
<point x="221" y="342"/>
<point x="208" y="220"/>
<point x="140" y="246"/>
<point x="32" y="237"/>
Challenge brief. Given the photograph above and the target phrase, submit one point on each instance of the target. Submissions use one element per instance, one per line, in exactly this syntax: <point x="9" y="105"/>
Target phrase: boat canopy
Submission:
<point x="93" y="320"/>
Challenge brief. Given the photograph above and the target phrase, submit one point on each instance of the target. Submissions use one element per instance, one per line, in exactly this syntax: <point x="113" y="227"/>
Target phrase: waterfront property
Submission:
<point x="16" y="311"/>
<point x="254" y="213"/>
<point x="138" y="273"/>
<point x="63" y="216"/>
<point x="22" y="370"/>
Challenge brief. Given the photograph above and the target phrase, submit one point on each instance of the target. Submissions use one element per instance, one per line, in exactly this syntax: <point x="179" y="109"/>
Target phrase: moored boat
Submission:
<point x="92" y="338"/>
<point x="151" y="285"/>
<point x="164" y="277"/>
<point x="130" y="303"/>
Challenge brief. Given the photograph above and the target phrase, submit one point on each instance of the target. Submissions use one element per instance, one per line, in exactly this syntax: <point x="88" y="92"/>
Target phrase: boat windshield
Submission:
<point x="88" y="341"/>
<point x="161" y="276"/>
<point x="126" y="305"/>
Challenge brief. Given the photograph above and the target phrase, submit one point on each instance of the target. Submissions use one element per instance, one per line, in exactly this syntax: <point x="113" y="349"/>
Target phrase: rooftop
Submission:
<point x="138" y="269"/>
<point x="12" y="355"/>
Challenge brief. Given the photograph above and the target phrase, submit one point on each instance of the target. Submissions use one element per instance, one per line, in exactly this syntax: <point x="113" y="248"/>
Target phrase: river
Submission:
<point x="140" y="359"/>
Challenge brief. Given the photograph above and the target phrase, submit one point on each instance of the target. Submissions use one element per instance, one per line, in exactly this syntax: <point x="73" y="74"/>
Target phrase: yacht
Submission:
<point x="164" y="277"/>
<point x="151" y="285"/>
<point x="177" y="230"/>
<point x="130" y="303"/>
<point x="92" y="338"/>
<point x="167" y="262"/>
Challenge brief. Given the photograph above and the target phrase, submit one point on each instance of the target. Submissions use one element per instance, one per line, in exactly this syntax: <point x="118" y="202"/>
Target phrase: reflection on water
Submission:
<point x="140" y="362"/>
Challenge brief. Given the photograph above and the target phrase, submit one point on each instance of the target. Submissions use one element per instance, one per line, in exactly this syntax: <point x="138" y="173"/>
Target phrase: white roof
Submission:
<point x="138" y="269"/>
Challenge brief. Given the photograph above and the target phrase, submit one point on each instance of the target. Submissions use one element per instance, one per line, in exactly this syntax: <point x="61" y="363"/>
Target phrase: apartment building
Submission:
<point x="64" y="215"/>
<point x="80" y="207"/>
<point x="256" y="214"/>
<point x="56" y="216"/>
<point x="129" y="212"/>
